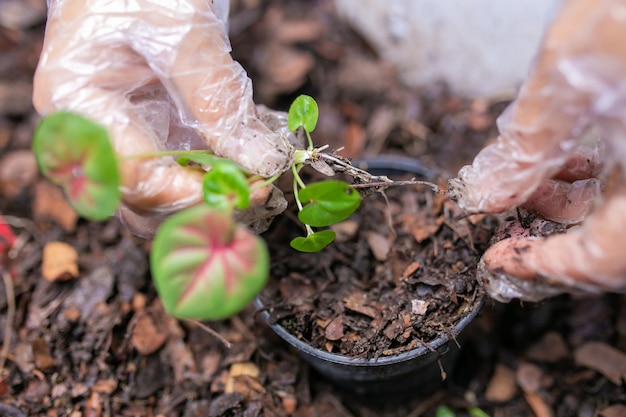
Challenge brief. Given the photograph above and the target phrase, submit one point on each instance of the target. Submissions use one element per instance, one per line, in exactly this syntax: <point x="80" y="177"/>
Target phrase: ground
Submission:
<point x="99" y="344"/>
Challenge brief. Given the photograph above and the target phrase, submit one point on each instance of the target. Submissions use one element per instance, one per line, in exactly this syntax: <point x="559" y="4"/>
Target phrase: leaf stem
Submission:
<point x="296" y="195"/>
<point x="159" y="154"/>
<point x="310" y="141"/>
<point x="269" y="181"/>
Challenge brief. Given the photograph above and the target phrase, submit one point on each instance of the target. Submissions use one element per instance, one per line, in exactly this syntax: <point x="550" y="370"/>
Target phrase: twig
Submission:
<point x="434" y="187"/>
<point x="363" y="178"/>
<point x="212" y="332"/>
<point x="8" y="285"/>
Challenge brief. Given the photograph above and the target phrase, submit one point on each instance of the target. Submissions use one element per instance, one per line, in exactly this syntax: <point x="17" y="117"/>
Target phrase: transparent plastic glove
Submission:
<point x="158" y="75"/>
<point x="579" y="80"/>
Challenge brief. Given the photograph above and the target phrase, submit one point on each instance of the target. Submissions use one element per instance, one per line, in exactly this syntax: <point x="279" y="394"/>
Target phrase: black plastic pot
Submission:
<point x="413" y="373"/>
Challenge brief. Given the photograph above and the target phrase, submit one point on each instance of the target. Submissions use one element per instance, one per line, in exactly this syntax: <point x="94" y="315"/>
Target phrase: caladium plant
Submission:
<point x="76" y="154"/>
<point x="204" y="264"/>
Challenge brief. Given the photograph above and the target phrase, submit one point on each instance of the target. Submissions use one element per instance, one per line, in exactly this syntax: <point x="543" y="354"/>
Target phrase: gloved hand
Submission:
<point x="159" y="75"/>
<point x="538" y="161"/>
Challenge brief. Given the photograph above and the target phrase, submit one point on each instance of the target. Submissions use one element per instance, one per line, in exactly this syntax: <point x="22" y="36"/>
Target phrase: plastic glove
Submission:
<point x="579" y="81"/>
<point x="159" y="75"/>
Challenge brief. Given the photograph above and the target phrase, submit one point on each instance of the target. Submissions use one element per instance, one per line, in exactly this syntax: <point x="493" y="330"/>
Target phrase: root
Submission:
<point x="365" y="180"/>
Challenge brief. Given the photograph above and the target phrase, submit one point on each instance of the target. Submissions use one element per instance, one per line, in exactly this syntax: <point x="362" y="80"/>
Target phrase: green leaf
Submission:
<point x="205" y="266"/>
<point x="225" y="186"/>
<point x="477" y="412"/>
<point x="303" y="112"/>
<point x="76" y="154"/>
<point x="444" y="411"/>
<point x="314" y="242"/>
<point x="329" y="202"/>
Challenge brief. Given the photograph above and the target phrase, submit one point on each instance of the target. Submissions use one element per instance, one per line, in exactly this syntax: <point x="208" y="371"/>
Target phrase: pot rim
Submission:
<point x="421" y="350"/>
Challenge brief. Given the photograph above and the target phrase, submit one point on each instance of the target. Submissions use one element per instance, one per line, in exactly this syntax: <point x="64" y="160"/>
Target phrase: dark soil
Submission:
<point x="101" y="345"/>
<point x="402" y="274"/>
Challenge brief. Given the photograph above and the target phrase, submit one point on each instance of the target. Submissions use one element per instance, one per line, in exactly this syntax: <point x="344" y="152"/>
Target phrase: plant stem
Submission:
<point x="296" y="175"/>
<point x="268" y="181"/>
<point x="212" y="332"/>
<point x="296" y="196"/>
<point x="308" y="137"/>
<point x="159" y="154"/>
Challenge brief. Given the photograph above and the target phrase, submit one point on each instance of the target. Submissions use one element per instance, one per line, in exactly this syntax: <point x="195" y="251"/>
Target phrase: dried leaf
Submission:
<point x="289" y="403"/>
<point x="419" y="307"/>
<point x="334" y="330"/>
<point x="502" y="386"/>
<point x="529" y="377"/>
<point x="603" y="358"/>
<point x="147" y="337"/>
<point x="240" y="369"/>
<point x="421" y="226"/>
<point x="71" y="314"/>
<point x="49" y="202"/>
<point x="18" y="169"/>
<point x="41" y="353"/>
<point x="93" y="408"/>
<point x="538" y="405"/>
<point x="357" y="301"/>
<point x="178" y="350"/>
<point x="105" y="386"/>
<point x="410" y="269"/>
<point x="379" y="245"/>
<point x="551" y="348"/>
<point x="344" y="230"/>
<point x="59" y="262"/>
<point x="322" y="167"/>
<point x="615" y="410"/>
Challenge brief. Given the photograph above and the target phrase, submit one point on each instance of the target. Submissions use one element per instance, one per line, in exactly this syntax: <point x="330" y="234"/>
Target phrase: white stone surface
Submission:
<point x="481" y="48"/>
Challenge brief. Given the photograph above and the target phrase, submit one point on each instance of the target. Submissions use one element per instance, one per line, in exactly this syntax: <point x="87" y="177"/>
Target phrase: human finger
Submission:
<point x="576" y="71"/>
<point x="97" y="77"/>
<point x="189" y="51"/>
<point x="588" y="258"/>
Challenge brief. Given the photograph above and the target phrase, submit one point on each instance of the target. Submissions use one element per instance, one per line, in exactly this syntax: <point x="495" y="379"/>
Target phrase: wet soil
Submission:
<point x="401" y="274"/>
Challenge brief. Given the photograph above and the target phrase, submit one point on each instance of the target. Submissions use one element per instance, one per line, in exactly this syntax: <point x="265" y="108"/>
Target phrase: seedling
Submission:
<point x="205" y="265"/>
<point x="323" y="203"/>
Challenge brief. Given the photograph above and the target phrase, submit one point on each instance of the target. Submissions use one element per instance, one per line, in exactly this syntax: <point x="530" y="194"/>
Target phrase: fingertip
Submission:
<point x="510" y="257"/>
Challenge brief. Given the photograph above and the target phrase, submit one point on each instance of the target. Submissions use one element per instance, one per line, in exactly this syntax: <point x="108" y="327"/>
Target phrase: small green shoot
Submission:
<point x="205" y="266"/>
<point x="225" y="186"/>
<point x="204" y="158"/>
<point x="321" y="204"/>
<point x="76" y="154"/>
<point x="303" y="112"/>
